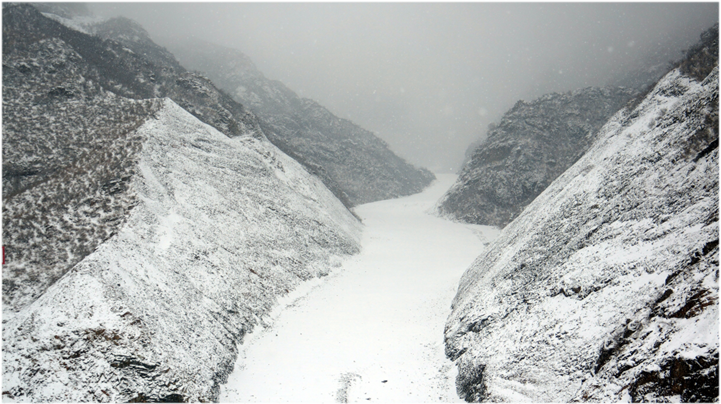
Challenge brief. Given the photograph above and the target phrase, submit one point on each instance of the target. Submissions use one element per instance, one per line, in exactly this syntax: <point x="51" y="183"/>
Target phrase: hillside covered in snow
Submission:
<point x="355" y="164"/>
<point x="135" y="231"/>
<point x="222" y="227"/>
<point x="605" y="288"/>
<point x="70" y="103"/>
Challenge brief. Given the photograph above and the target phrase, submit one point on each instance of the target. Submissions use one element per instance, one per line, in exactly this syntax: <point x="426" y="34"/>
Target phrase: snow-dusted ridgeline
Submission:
<point x="223" y="227"/>
<point x="356" y="165"/>
<point x="605" y="288"/>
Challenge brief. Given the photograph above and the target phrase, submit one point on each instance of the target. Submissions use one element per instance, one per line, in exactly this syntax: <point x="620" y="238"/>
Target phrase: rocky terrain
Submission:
<point x="353" y="163"/>
<point x="479" y="202"/>
<point x="605" y="288"/>
<point x="532" y="145"/>
<point x="113" y="204"/>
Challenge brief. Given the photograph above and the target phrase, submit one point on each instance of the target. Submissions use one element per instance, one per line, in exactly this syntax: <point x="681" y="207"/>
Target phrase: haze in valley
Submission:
<point x="430" y="77"/>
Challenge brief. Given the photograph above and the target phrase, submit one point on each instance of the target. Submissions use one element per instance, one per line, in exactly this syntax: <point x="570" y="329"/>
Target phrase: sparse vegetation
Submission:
<point x="61" y="150"/>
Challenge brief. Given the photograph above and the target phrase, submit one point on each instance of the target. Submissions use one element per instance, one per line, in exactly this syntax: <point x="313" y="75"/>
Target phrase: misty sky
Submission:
<point x="429" y="77"/>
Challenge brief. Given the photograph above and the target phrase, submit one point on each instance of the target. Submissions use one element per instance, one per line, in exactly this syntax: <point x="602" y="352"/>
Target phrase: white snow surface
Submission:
<point x="224" y="226"/>
<point x="372" y="331"/>
<point x="615" y="265"/>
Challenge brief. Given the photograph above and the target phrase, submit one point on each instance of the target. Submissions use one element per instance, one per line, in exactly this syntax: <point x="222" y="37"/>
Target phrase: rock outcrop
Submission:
<point x="353" y="163"/>
<point x="605" y="288"/>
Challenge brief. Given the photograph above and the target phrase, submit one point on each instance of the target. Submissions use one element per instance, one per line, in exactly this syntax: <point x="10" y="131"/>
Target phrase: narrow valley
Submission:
<point x="373" y="330"/>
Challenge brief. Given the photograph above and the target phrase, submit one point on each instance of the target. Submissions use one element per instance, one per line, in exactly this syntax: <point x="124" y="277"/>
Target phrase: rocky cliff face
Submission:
<point x="356" y="165"/>
<point x="605" y="288"/>
<point x="136" y="233"/>
<point x="532" y="145"/>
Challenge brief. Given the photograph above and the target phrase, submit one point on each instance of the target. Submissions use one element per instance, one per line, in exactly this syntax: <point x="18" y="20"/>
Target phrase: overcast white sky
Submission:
<point x="429" y="77"/>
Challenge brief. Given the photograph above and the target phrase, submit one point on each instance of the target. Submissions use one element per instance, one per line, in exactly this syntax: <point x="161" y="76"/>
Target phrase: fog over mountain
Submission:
<point x="210" y="235"/>
<point x="429" y="78"/>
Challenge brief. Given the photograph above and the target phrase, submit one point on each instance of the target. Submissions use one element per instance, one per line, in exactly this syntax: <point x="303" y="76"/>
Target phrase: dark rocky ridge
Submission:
<point x="355" y="165"/>
<point x="532" y="145"/>
<point x="605" y="288"/>
<point x="151" y="72"/>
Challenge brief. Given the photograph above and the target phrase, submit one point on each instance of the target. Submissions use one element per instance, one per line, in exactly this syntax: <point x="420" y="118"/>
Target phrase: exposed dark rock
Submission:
<point x="532" y="145"/>
<point x="150" y="398"/>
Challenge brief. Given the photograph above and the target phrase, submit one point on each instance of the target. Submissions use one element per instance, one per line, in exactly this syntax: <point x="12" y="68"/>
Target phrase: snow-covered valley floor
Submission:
<point x="373" y="329"/>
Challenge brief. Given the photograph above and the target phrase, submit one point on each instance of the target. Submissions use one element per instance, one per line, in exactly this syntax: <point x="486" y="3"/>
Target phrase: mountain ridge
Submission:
<point x="605" y="288"/>
<point x="167" y="279"/>
<point x="308" y="131"/>
<point x="498" y="197"/>
<point x="116" y="270"/>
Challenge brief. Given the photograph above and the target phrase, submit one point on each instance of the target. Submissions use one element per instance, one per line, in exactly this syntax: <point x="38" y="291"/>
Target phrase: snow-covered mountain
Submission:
<point x="355" y="164"/>
<point x="605" y="288"/>
<point x="533" y="144"/>
<point x="142" y="242"/>
<point x="221" y="228"/>
<point x="70" y="103"/>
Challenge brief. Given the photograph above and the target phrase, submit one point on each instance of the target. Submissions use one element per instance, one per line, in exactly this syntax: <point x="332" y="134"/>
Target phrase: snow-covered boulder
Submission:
<point x="222" y="227"/>
<point x="605" y="288"/>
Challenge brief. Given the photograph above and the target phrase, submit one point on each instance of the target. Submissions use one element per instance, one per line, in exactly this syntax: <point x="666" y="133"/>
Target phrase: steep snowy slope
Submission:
<point x="221" y="228"/>
<point x="134" y="233"/>
<point x="532" y="145"/>
<point x="68" y="152"/>
<point x="536" y="142"/>
<point x="605" y="288"/>
<point x="68" y="143"/>
<point x="355" y="164"/>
